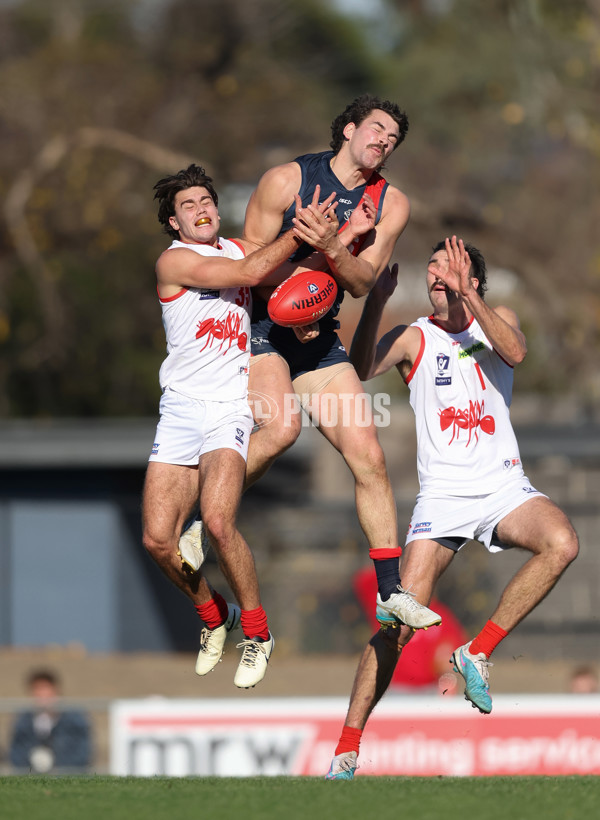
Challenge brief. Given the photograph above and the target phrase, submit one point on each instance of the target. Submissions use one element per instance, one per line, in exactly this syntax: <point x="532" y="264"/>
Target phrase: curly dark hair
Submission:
<point x="167" y="188"/>
<point x="358" y="110"/>
<point x="45" y="675"/>
<point x="478" y="266"/>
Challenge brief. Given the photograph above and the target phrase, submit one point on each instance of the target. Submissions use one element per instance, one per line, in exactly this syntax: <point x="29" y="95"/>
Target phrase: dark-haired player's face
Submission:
<point x="196" y="216"/>
<point x="373" y="140"/>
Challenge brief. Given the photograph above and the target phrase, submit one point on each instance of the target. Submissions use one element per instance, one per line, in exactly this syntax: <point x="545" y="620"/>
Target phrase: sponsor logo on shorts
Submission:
<point x="239" y="436"/>
<point x="155" y="447"/>
<point x="422" y="526"/>
<point x="443" y="376"/>
<point x="508" y="463"/>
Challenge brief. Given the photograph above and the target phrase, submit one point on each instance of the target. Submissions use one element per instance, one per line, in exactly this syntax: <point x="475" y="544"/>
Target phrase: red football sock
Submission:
<point x="254" y="623"/>
<point x="488" y="639"/>
<point x="349" y="740"/>
<point x="215" y="612"/>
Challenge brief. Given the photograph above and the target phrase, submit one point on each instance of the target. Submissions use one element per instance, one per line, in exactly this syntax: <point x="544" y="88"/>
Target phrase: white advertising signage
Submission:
<point x="533" y="734"/>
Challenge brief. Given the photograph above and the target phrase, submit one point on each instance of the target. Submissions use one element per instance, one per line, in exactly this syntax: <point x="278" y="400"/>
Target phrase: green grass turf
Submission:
<point x="299" y="798"/>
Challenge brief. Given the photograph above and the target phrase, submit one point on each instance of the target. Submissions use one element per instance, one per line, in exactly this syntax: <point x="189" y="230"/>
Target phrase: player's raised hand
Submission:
<point x="362" y="218"/>
<point x="457" y="276"/>
<point x="317" y="224"/>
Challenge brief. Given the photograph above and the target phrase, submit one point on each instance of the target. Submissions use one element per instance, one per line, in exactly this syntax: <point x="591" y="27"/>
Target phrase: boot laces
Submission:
<point x="251" y="652"/>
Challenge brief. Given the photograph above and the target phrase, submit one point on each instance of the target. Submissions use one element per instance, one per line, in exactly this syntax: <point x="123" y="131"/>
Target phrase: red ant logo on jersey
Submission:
<point x="226" y="332"/>
<point x="469" y="420"/>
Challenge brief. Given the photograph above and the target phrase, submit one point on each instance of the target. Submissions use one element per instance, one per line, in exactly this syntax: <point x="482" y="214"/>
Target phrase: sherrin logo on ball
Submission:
<point x="302" y="299"/>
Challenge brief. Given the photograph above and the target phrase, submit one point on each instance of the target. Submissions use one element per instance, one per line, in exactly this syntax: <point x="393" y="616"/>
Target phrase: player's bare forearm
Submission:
<point x="501" y="328"/>
<point x="353" y="273"/>
<point x="363" y="347"/>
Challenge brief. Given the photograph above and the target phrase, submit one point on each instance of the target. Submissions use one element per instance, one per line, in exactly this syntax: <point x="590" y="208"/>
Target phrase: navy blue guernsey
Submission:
<point x="267" y="336"/>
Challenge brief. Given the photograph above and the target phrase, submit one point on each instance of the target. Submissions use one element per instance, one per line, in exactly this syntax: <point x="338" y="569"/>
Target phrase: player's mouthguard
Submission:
<point x="204" y="220"/>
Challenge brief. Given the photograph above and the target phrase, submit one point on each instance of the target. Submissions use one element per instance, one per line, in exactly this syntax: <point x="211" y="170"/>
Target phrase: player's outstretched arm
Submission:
<point x="183" y="267"/>
<point x="500" y="325"/>
<point x="398" y="347"/>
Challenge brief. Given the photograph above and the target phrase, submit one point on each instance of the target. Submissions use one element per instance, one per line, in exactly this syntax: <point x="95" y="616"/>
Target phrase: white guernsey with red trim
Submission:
<point x="208" y="333"/>
<point x="460" y="391"/>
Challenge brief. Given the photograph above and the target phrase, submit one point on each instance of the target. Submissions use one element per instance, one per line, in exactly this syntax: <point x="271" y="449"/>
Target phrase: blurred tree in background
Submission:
<point x="102" y="97"/>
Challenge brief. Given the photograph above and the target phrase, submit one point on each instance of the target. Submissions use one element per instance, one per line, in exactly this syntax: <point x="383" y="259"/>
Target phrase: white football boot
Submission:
<point x="403" y="606"/>
<point x="212" y="641"/>
<point x="193" y="546"/>
<point x="253" y="665"/>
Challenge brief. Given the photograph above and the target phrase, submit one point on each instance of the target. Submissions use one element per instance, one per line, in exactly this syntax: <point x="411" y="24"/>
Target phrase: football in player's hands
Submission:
<point x="302" y="299"/>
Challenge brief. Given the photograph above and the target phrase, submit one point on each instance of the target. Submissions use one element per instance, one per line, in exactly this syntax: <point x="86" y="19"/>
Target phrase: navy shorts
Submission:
<point x="321" y="352"/>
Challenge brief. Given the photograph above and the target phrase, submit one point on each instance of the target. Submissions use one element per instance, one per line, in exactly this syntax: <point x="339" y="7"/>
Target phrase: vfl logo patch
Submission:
<point x="239" y="436"/>
<point x="442" y="363"/>
<point x="155" y="447"/>
<point x="511" y="462"/>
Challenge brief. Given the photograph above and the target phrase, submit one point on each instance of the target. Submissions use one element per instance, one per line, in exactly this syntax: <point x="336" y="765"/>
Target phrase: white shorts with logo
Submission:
<point x="188" y="428"/>
<point x="466" y="518"/>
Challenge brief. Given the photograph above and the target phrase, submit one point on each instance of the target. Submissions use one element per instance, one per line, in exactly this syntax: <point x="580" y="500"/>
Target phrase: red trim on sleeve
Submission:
<point x="417" y="361"/>
<point x="171" y="298"/>
<point x="508" y="364"/>
<point x="239" y="244"/>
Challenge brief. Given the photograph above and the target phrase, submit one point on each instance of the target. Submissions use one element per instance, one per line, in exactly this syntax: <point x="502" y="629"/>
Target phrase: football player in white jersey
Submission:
<point x="458" y="365"/>
<point x="201" y="442"/>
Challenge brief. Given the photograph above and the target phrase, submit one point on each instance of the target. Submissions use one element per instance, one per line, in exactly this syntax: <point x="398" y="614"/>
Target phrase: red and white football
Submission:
<point x="302" y="298"/>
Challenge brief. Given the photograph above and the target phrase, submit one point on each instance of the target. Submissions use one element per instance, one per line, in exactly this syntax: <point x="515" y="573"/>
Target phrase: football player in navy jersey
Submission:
<point x="314" y="365"/>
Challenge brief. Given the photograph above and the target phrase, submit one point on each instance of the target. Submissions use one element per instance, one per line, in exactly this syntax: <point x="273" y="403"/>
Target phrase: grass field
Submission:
<point x="299" y="798"/>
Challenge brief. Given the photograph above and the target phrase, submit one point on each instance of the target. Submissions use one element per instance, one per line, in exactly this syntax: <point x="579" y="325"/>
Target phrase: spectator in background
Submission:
<point x="47" y="737"/>
<point x="584" y="681"/>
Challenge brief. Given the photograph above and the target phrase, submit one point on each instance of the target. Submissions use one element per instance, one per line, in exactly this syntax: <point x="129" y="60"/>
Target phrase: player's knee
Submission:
<point x="282" y="432"/>
<point x="368" y="463"/>
<point x="561" y="548"/>
<point x="155" y="546"/>
<point x="219" y="528"/>
<point x="565" y="547"/>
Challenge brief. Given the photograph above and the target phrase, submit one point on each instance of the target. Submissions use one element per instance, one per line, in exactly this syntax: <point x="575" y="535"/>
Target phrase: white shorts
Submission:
<point x="188" y="428"/>
<point x="458" y="519"/>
